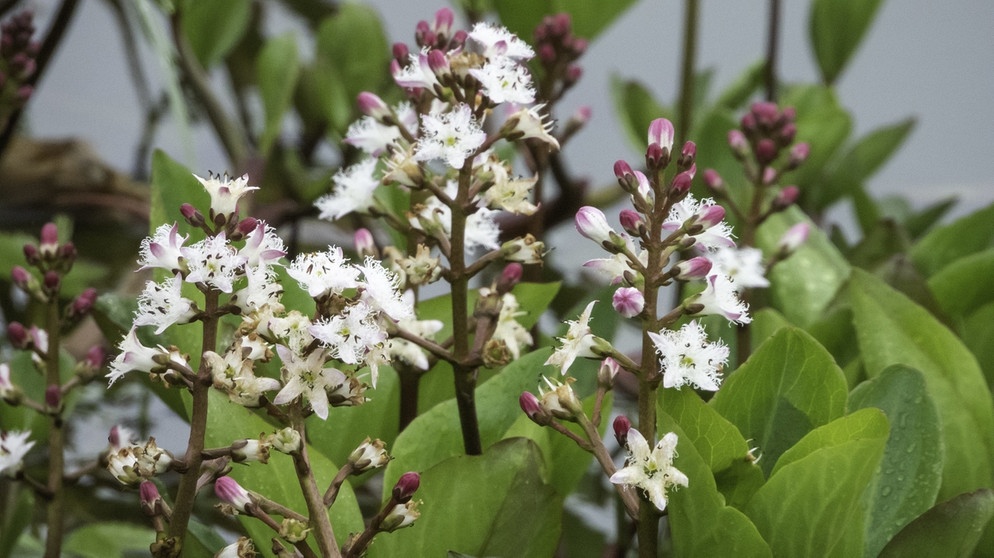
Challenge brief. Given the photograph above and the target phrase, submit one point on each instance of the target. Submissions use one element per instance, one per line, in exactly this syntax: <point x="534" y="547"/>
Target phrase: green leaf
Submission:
<point x="789" y="386"/>
<point x="214" y="28"/>
<point x="16" y="517"/>
<point x="893" y="330"/>
<point x="436" y="435"/>
<point x="956" y="286"/>
<point x="352" y="56"/>
<point x="944" y="245"/>
<point x="836" y="30"/>
<point x="810" y="504"/>
<point x="717" y="441"/>
<point x="276" y="480"/>
<point x="636" y="107"/>
<point x="700" y="522"/>
<point x="277" y="67"/>
<point x="907" y="481"/>
<point x="919" y="222"/>
<point x="109" y="538"/>
<point x="589" y="17"/>
<point x="495" y="504"/>
<point x="806" y="283"/>
<point x="735" y="96"/>
<point x="977" y="330"/>
<point x="824" y="124"/>
<point x="173" y="185"/>
<point x="950" y="529"/>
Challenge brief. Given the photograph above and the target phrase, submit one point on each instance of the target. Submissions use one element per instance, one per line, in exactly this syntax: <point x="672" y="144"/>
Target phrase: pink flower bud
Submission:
<point x="687" y="155"/>
<point x="20" y="276"/>
<point x="149" y="499"/>
<point x="623" y="171"/>
<point x="51" y="281"/>
<point x="95" y="357"/>
<point x="770" y="175"/>
<point x="31" y="254"/>
<point x="509" y="277"/>
<point x="230" y="492"/>
<point x="547" y="53"/>
<point x="609" y="368"/>
<point x="798" y="154"/>
<point x="373" y="106"/>
<point x="83" y="303"/>
<point x="443" y="21"/>
<point x="365" y="244"/>
<point x="787" y="133"/>
<point x="793" y="238"/>
<point x="532" y="408"/>
<point x="49" y="236"/>
<point x="656" y="157"/>
<point x="710" y="215"/>
<point x="573" y="74"/>
<point x="406" y="486"/>
<point x="631" y="221"/>
<point x="628" y="301"/>
<point x="591" y="223"/>
<point x="400" y="53"/>
<point x="766" y="151"/>
<point x="681" y="183"/>
<point x="245" y="226"/>
<point x="439" y="63"/>
<point x="766" y="113"/>
<point x="713" y="180"/>
<point x="53" y="397"/>
<point x="694" y="268"/>
<point x="621" y="427"/>
<point x="738" y="142"/>
<point x="661" y="133"/>
<point x="786" y="197"/>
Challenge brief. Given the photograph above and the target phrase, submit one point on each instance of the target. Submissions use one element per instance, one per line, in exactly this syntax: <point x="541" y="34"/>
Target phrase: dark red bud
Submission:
<point x="621" y="427"/>
<point x="406" y="486"/>
<point x="766" y="151"/>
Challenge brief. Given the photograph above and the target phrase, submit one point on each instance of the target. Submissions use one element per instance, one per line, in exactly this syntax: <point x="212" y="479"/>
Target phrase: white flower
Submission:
<point x="307" y="378"/>
<point x="225" y="192"/>
<point x="381" y="291"/>
<point x="453" y="136"/>
<point x="417" y="74"/>
<point x="482" y="229"/>
<point x="744" y="266"/>
<point x="716" y="234"/>
<point x="493" y="40"/>
<point x="407" y="352"/>
<point x="721" y="298"/>
<point x="13" y="447"/>
<point x="163" y="305"/>
<point x="505" y="81"/>
<point x="351" y="334"/>
<point x="508" y="330"/>
<point x="163" y="249"/>
<point x="687" y="357"/>
<point x="530" y="123"/>
<point x="261" y="289"/>
<point x="324" y="273"/>
<point x="262" y="246"/>
<point x="235" y="376"/>
<point x="135" y="356"/>
<point x="353" y="191"/>
<point x="293" y="329"/>
<point x="510" y="194"/>
<point x="578" y="342"/>
<point x="615" y="266"/>
<point x="213" y="262"/>
<point x="652" y="472"/>
<point x="135" y="463"/>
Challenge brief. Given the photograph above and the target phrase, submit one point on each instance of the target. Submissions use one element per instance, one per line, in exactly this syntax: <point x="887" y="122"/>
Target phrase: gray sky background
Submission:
<point x="933" y="60"/>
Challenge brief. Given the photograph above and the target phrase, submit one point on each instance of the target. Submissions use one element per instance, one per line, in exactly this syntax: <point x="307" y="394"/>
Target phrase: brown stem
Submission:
<point x="316" y="510"/>
<point x="56" y="437"/>
<point x="628" y="496"/>
<point x="773" y="35"/>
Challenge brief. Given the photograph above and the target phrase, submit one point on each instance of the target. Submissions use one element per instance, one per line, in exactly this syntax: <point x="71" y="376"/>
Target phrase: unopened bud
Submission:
<point x="766" y="151"/>
<point x="400" y="516"/>
<point x="293" y="530"/>
<point x="250" y="450"/>
<point x="192" y="215"/>
<point x="798" y="154"/>
<point x="149" y="498"/>
<point x="53" y="397"/>
<point x="286" y="440"/>
<point x="681" y="183"/>
<point x="632" y="222"/>
<point x="400" y="53"/>
<point x="18" y="335"/>
<point x="621" y="427"/>
<point x="661" y="134"/>
<point x="656" y="157"/>
<point x="21" y="277"/>
<point x="365" y="244"/>
<point x="373" y="106"/>
<point x="83" y="303"/>
<point x="591" y="223"/>
<point x="628" y="301"/>
<point x="509" y="277"/>
<point x="739" y="144"/>
<point x="713" y="181"/>
<point x="785" y="198"/>
<point x="794" y="238"/>
<point x="694" y="268"/>
<point x="406" y="486"/>
<point x="533" y="409"/>
<point x="369" y="455"/>
<point x="31" y="254"/>
<point x="49" y="240"/>
<point x="608" y="370"/>
<point x="230" y="492"/>
<point x="687" y="155"/>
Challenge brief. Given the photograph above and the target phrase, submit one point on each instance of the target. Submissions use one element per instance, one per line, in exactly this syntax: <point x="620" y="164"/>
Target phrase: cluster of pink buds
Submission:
<point x="558" y="49"/>
<point x="17" y="60"/>
<point x="765" y="143"/>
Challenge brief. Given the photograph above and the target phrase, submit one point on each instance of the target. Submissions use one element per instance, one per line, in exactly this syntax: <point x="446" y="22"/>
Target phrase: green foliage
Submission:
<point x="495" y="504"/>
<point x="830" y="468"/>
<point x="946" y="244"/>
<point x="893" y="330"/>
<point x="950" y="529"/>
<point x="108" y="539"/>
<point x="836" y="30"/>
<point x="590" y="17"/>
<point x="214" y="28"/>
<point x="277" y="68"/>
<point x="789" y="386"/>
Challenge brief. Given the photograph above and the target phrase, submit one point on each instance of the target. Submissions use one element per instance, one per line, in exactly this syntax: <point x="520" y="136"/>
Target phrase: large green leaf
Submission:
<point x="804" y="284"/>
<point x="810" y="504"/>
<point x="700" y="522"/>
<point x="944" y="245"/>
<point x="495" y="504"/>
<point x="277" y="69"/>
<point x="951" y="529"/>
<point x="956" y="286"/>
<point x="435" y="435"/>
<point x="907" y="481"/>
<point x="636" y="108"/>
<point x="836" y="30"/>
<point x="824" y="124"/>
<point x="589" y="17"/>
<point x="977" y="332"/>
<point x="108" y="539"/>
<point x="893" y="330"/>
<point x="276" y="480"/>
<point x="717" y="441"/>
<point x="214" y="28"/>
<point x="788" y="387"/>
<point x="173" y="185"/>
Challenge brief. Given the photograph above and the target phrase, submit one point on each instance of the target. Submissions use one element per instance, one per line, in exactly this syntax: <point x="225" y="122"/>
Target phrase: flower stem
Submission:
<point x="772" y="45"/>
<point x="691" y="10"/>
<point x="316" y="510"/>
<point x="56" y="437"/>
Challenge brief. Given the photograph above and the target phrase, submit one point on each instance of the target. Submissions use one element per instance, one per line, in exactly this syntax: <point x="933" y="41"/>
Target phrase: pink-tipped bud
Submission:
<point x="661" y="133"/>
<point x="406" y="486"/>
<point x="547" y="54"/>
<point x="656" y="157"/>
<point x="458" y="39"/>
<point x="694" y="268"/>
<point x="794" y="238"/>
<point x="18" y="335"/>
<point x="766" y="151"/>
<point x="49" y="237"/>
<point x="373" y="106"/>
<point x="230" y="492"/>
<point x="681" y="183"/>
<point x="798" y="154"/>
<point x="787" y="133"/>
<point x="632" y="222"/>
<point x="95" y="357"/>
<point x="766" y="113"/>
<point x="53" y="397"/>
<point x="738" y="142"/>
<point x="628" y="301"/>
<point x="192" y="215"/>
<point x="119" y="437"/>
<point x="713" y="181"/>
<point x="83" y="303"/>
<point x="20" y="276"/>
<point x="748" y="122"/>
<point x="443" y="21"/>
<point x="786" y="197"/>
<point x="591" y="223"/>
<point x="244" y="228"/>
<point x="365" y="244"/>
<point x="51" y="281"/>
<point x="789" y="114"/>
<point x="400" y="53"/>
<point x="532" y="408"/>
<point x="509" y="277"/>
<point x="621" y="427"/>
<point x="626" y="176"/>
<point x="687" y="155"/>
<point x="439" y="63"/>
<point x="710" y="215"/>
<point x="573" y="74"/>
<point x="31" y="254"/>
<point x="770" y="175"/>
<point x="149" y="498"/>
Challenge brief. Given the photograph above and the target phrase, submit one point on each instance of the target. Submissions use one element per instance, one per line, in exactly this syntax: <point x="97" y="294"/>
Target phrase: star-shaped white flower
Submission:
<point x="493" y="40"/>
<point x="651" y="471"/>
<point x="716" y="233"/>
<point x="323" y="273"/>
<point x="381" y="290"/>
<point x="351" y="334"/>
<point x="721" y="298"/>
<point x="13" y="447"/>
<point x="505" y="81"/>
<point x="163" y="305"/>
<point x="213" y="262"/>
<point x="306" y="377"/>
<point x="578" y="342"/>
<point x="744" y="266"/>
<point x="450" y="135"/>
<point x="688" y="357"/>
<point x="225" y="191"/>
<point x="353" y="191"/>
<point x="162" y="249"/>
